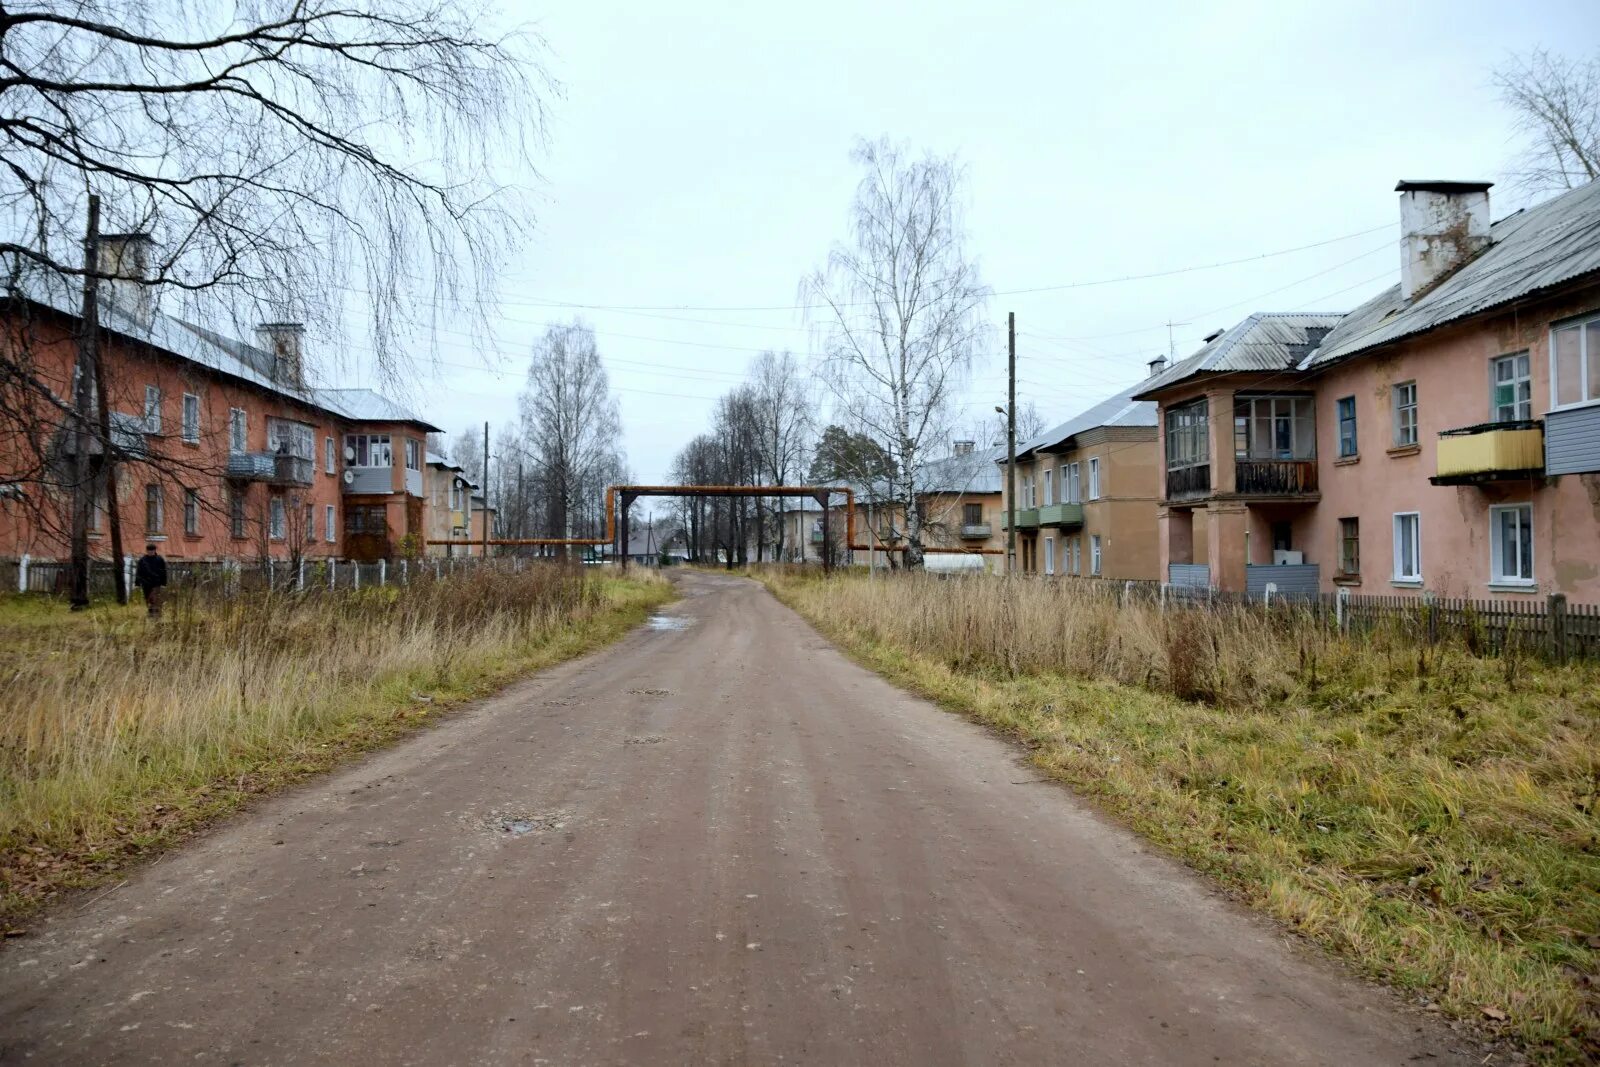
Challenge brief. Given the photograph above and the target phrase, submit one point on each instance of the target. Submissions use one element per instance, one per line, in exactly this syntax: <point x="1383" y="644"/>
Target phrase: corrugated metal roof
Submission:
<point x="1119" y="410"/>
<point x="1532" y="250"/>
<point x="217" y="352"/>
<point x="974" y="472"/>
<point x="1266" y="341"/>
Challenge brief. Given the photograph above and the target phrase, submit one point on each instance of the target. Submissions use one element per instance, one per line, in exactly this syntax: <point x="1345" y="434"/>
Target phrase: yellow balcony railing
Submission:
<point x="1491" y="451"/>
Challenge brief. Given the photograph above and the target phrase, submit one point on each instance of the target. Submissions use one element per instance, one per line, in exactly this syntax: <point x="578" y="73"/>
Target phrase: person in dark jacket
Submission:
<point x="151" y="578"/>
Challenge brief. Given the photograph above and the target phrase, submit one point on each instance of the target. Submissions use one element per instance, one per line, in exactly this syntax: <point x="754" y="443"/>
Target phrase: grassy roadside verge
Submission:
<point x="119" y="739"/>
<point x="1434" y="819"/>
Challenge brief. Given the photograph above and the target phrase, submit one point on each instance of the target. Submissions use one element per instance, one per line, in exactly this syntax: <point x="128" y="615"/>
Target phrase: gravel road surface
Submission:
<point x="715" y="842"/>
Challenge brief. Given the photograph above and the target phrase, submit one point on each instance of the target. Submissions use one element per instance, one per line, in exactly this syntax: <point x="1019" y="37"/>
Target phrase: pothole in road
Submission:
<point x="669" y="622"/>
<point x="651" y="692"/>
<point x="518" y="823"/>
<point x="649" y="739"/>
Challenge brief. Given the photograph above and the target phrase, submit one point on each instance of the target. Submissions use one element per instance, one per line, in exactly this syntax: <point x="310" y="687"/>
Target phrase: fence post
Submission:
<point x="1162" y="598"/>
<point x="355" y="574"/>
<point x="1431" y="606"/>
<point x="22" y="573"/>
<point x="1127" y="593"/>
<point x="1266" y="594"/>
<point x="436" y="569"/>
<point x="405" y="572"/>
<point x="1556" y="604"/>
<point x="1341" y="610"/>
<point x="383" y="572"/>
<point x="300" y="577"/>
<point x="127" y="572"/>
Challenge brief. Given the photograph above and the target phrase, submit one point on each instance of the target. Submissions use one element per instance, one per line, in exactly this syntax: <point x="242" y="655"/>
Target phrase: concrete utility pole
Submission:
<point x="82" y="404"/>
<point x="1011" y="442"/>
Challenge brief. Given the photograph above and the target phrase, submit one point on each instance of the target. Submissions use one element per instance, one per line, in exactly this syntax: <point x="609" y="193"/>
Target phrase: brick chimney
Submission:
<point x="1442" y="226"/>
<point x="285" y="343"/>
<point x="123" y="260"/>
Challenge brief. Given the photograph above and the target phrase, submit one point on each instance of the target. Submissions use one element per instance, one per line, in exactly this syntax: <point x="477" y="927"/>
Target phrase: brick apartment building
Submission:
<point x="227" y="452"/>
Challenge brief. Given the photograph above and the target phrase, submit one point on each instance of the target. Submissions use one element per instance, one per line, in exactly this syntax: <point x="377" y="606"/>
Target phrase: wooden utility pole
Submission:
<point x="485" y="490"/>
<point x="1011" y="442"/>
<point x="82" y="401"/>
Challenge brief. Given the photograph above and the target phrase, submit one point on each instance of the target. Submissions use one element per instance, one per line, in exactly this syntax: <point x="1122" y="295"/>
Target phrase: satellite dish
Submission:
<point x="349" y="477"/>
<point x="349" y="453"/>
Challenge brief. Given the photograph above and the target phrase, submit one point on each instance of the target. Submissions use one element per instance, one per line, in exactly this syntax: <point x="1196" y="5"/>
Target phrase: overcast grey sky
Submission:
<point x="699" y="160"/>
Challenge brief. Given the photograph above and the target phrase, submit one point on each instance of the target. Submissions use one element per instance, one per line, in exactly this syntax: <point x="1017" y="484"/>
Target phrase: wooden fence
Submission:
<point x="53" y="577"/>
<point x="1547" y="626"/>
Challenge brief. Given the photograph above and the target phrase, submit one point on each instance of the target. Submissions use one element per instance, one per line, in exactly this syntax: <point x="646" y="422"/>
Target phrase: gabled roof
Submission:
<point x="1119" y="410"/>
<point x="216" y="352"/>
<point x="1531" y="251"/>
<point x="1266" y="341"/>
<point x="974" y="472"/>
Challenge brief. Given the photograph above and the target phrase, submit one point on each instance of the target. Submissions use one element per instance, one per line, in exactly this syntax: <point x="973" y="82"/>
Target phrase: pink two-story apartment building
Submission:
<point x="1444" y="436"/>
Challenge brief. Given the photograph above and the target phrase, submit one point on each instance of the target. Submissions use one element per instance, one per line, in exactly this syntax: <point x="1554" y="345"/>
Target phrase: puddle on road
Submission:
<point x="669" y="622"/>
<point x="522" y="823"/>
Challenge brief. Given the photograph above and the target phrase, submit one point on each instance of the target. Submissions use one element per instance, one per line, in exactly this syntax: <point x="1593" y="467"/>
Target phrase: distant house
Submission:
<point x="1444" y="436"/>
<point x="1086" y="493"/>
<point x="227" y="452"/>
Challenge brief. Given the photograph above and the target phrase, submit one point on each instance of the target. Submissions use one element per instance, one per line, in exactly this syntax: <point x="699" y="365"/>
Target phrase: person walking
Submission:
<point x="151" y="578"/>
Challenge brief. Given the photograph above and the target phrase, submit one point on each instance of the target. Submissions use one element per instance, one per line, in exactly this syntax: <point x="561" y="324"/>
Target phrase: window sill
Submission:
<point x="1404" y="450"/>
<point x="1514" y="587"/>
<point x="1406" y="583"/>
<point x="192" y="537"/>
<point x="1347" y="461"/>
<point x="1347" y="579"/>
<point x="187" y="443"/>
<point x="150" y="537"/>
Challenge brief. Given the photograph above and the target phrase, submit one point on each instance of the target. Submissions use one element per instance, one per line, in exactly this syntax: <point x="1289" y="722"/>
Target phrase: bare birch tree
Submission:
<point x="571" y="427"/>
<point x="1555" y="102"/>
<point x="901" y="311"/>
<point x="782" y="409"/>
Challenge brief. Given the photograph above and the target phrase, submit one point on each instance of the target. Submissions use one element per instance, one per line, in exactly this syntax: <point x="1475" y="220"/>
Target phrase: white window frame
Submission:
<point x="1524" y="380"/>
<point x="1049" y="555"/>
<point x="1077" y="554"/>
<point x="1588" y="392"/>
<point x="1074" y="493"/>
<point x="328" y="527"/>
<point x="1524" y="534"/>
<point x="191" y="426"/>
<point x="1094" y="477"/>
<point x="330" y="456"/>
<point x="413" y="452"/>
<point x="1416" y="529"/>
<point x="277" y="515"/>
<point x="1049" y="487"/>
<point x="1399" y="410"/>
<point x="1338" y="427"/>
<point x="1095" y="555"/>
<point x="191" y="512"/>
<point x="370" y="443"/>
<point x="152" y="409"/>
<point x="238" y="430"/>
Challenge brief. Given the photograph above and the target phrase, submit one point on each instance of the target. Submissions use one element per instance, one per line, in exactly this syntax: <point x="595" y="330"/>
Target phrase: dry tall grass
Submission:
<point x="1431" y="814"/>
<point x="114" y="732"/>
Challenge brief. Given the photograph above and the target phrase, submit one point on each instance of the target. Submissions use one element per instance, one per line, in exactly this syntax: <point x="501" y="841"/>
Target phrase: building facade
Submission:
<point x="224" y="452"/>
<point x="1444" y="437"/>
<point x="1086" y="494"/>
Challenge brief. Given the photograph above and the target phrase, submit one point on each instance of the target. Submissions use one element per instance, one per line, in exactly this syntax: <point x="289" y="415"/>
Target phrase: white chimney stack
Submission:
<point x="123" y="260"/>
<point x="285" y="342"/>
<point x="1442" y="226"/>
<point x="1157" y="365"/>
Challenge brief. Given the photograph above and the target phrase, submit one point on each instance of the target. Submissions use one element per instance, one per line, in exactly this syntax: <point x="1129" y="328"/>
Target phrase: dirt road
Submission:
<point x="715" y="842"/>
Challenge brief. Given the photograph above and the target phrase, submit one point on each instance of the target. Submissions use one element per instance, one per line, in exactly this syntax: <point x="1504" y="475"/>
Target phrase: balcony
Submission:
<point x="816" y="537"/>
<point x="1275" y="477"/>
<point x="1188" y="482"/>
<point x="1490" y="452"/>
<point x="975" y="531"/>
<point x="1061" y="515"/>
<point x="1027" y="519"/>
<point x="252" y="466"/>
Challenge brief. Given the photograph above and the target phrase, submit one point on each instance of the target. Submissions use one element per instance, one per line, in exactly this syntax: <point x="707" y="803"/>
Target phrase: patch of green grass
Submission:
<point x="119" y="737"/>
<point x="1436" y="823"/>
